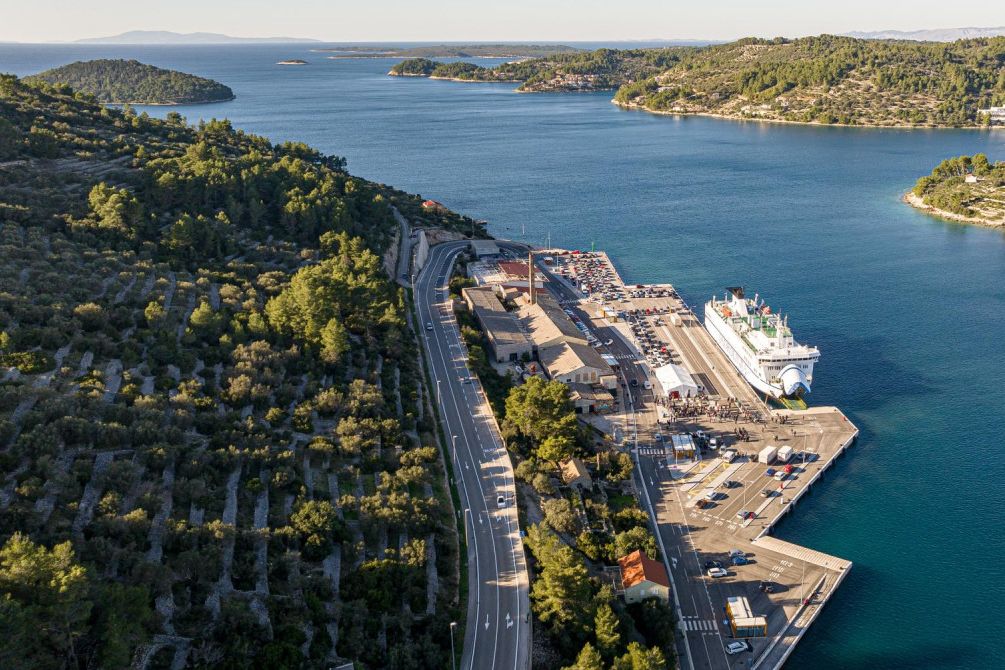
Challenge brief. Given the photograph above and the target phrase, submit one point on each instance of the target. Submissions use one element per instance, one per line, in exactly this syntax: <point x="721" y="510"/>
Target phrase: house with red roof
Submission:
<point x="642" y="577"/>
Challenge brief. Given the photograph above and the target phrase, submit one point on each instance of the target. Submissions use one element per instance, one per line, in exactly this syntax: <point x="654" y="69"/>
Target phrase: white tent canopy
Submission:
<point x="675" y="379"/>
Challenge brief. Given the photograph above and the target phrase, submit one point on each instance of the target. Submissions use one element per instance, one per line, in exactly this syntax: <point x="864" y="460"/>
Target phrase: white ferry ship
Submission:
<point x="760" y="345"/>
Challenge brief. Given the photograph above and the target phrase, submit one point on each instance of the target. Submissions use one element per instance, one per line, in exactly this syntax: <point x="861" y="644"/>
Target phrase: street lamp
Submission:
<point x="453" y="654"/>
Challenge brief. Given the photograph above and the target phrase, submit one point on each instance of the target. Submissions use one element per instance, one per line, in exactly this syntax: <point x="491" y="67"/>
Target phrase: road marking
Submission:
<point x="509" y="622"/>
<point x="486" y="622"/>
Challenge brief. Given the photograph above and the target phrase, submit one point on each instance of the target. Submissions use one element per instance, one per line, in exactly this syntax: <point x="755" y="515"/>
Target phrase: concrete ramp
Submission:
<point x="802" y="553"/>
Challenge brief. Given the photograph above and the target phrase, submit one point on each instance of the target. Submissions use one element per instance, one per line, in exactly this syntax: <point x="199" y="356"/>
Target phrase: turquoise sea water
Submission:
<point x="909" y="312"/>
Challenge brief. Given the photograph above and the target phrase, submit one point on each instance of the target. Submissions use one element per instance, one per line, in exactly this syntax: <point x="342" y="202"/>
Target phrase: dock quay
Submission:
<point x="705" y="505"/>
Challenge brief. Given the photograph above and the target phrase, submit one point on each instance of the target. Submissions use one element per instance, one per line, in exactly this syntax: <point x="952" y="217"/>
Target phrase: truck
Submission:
<point x="767" y="455"/>
<point x="784" y="454"/>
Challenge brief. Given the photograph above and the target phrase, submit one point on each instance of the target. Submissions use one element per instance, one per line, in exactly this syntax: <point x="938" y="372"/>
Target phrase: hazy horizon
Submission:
<point x="515" y="21"/>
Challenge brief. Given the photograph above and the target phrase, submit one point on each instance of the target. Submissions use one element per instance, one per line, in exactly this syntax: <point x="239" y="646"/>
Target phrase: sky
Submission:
<point x="478" y="20"/>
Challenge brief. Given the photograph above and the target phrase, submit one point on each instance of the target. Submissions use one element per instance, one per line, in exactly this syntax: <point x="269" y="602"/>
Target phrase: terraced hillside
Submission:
<point x="215" y="447"/>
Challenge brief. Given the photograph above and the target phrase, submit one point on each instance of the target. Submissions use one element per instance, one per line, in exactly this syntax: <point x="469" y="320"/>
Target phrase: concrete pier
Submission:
<point x="784" y="582"/>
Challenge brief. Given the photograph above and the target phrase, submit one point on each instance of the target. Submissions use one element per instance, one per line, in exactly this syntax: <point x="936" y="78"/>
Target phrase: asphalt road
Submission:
<point x="497" y="634"/>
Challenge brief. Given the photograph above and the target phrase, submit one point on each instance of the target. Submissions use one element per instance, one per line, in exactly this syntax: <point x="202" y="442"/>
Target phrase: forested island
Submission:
<point x="215" y="445"/>
<point x="452" y="51"/>
<point x="823" y="80"/>
<point x="129" y="81"/>
<point x="970" y="189"/>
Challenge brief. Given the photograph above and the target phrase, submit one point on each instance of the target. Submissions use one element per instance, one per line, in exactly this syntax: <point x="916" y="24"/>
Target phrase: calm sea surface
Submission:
<point x="909" y="312"/>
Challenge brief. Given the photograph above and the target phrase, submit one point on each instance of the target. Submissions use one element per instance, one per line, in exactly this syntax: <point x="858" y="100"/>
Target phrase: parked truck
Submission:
<point x="767" y="455"/>
<point x="784" y="454"/>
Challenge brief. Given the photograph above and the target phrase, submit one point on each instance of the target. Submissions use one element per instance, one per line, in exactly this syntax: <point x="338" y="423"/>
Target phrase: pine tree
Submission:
<point x="606" y="627"/>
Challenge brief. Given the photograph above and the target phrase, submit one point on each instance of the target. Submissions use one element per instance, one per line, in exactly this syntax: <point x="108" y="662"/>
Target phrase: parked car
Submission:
<point x="767" y="493"/>
<point x="634" y="383"/>
<point x="716" y="572"/>
<point x="770" y="472"/>
<point x="608" y="342"/>
<point x="702" y="503"/>
<point x="712" y="564"/>
<point x="733" y="553"/>
<point x="500" y="501"/>
<point x="731" y="483"/>
<point x="766" y="587"/>
<point x="742" y="514"/>
<point x="781" y="475"/>
<point x="740" y="560"/>
<point x="647" y="384"/>
<point x="789" y="469"/>
<point x="738" y="647"/>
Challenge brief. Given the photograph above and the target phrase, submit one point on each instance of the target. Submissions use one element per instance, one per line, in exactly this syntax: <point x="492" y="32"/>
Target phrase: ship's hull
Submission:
<point x="793" y="381"/>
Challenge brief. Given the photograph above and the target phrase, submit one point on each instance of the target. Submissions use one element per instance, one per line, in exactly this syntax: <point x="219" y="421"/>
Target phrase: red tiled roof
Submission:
<point x="637" y="567"/>
<point x="515" y="268"/>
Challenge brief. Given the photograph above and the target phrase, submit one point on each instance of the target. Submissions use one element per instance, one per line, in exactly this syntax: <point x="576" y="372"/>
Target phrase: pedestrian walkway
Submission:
<point x="693" y="623"/>
<point x="802" y="553"/>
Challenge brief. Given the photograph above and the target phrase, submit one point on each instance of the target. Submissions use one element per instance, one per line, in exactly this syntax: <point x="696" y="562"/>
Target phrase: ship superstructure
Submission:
<point x="759" y="343"/>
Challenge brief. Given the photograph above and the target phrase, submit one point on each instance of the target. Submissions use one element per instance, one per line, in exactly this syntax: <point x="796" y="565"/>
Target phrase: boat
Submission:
<point x="759" y="344"/>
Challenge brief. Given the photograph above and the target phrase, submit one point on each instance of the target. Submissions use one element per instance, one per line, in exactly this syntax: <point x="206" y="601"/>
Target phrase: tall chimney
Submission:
<point x="530" y="276"/>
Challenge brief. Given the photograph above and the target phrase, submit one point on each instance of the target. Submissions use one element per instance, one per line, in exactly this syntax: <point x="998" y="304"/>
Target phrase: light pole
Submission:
<point x="453" y="654"/>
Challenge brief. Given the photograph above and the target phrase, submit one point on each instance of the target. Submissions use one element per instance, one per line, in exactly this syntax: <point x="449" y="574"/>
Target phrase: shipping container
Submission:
<point x="784" y="454"/>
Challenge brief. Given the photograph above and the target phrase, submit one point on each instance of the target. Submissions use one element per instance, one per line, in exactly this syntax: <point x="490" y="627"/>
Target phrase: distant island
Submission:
<point x="452" y="51"/>
<point x="132" y="82"/>
<point x="822" y="80"/>
<point x="967" y="188"/>
<point x="933" y="35"/>
<point x="168" y="37"/>
<point x="292" y="61"/>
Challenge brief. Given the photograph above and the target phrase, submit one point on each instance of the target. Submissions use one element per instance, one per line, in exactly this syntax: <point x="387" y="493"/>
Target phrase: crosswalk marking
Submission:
<point x="699" y="625"/>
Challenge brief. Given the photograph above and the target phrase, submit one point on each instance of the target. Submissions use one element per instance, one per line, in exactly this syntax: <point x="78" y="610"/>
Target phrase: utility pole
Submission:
<point x="453" y="654"/>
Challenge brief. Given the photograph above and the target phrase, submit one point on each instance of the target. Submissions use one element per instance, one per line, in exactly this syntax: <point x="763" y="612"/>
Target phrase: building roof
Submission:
<point x="515" y="268"/>
<point x="485" y="247"/>
<point x="483" y="299"/>
<point x="573" y="469"/>
<point x="501" y="327"/>
<point x="545" y="321"/>
<point x="636" y="567"/>
<point x="579" y="391"/>
<point x="568" y="357"/>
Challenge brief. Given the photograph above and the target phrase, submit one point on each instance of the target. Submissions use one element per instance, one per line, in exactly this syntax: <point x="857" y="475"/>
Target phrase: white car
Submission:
<point x="500" y="501"/>
<point x="429" y="326"/>
<point x="717" y="572"/>
<point x="737" y="647"/>
<point x="608" y="342"/>
<point x="647" y="384"/>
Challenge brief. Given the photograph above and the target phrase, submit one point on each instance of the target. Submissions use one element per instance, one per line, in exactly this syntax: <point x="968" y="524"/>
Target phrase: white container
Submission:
<point x="784" y="454"/>
<point x="767" y="455"/>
